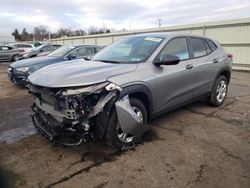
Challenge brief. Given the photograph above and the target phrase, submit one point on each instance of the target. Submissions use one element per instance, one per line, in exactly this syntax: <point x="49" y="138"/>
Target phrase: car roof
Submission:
<point x="169" y="35"/>
<point x="80" y="45"/>
<point x="22" y="43"/>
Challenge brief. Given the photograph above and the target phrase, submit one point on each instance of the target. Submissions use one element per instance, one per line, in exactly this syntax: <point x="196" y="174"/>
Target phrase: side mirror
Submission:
<point x="41" y="50"/>
<point x="71" y="56"/>
<point x="167" y="60"/>
<point x="87" y="58"/>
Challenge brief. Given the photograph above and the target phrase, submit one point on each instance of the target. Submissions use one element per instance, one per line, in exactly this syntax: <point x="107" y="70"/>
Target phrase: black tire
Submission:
<point x="213" y="100"/>
<point x="111" y="133"/>
<point x="15" y="57"/>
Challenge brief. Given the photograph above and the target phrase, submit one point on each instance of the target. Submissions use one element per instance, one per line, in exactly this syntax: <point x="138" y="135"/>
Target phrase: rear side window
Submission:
<point x="198" y="46"/>
<point x="207" y="47"/>
<point x="23" y="46"/>
<point x="4" y="48"/>
<point x="177" y="47"/>
<point x="212" y="45"/>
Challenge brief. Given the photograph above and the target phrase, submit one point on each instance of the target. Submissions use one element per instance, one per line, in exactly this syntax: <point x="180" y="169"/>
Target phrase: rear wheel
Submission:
<point x="115" y="135"/>
<point x="219" y="92"/>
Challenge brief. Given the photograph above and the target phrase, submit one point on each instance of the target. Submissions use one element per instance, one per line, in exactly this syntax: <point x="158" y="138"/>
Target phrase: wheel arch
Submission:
<point x="226" y="71"/>
<point x="140" y="92"/>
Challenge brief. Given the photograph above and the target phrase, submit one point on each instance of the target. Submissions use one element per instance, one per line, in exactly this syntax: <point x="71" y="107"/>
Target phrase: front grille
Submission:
<point x="44" y="94"/>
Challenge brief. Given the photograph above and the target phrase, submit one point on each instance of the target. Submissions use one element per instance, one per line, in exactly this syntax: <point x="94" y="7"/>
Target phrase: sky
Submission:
<point x="118" y="14"/>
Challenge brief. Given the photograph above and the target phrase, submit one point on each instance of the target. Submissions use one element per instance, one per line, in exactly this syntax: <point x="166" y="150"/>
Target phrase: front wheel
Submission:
<point x="115" y="135"/>
<point x="219" y="92"/>
<point x="15" y="58"/>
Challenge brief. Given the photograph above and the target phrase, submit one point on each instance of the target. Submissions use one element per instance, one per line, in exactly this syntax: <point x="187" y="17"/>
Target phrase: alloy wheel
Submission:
<point x="221" y="91"/>
<point x="125" y="137"/>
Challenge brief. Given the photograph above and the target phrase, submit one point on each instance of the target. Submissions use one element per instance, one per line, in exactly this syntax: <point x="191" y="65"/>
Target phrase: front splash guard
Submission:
<point x="129" y="121"/>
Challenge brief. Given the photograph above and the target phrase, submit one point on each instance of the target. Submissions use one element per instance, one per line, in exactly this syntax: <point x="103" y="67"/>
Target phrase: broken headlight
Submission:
<point x="96" y="88"/>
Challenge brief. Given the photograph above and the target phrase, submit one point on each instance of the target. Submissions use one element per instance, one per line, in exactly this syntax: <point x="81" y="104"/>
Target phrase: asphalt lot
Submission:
<point x="194" y="146"/>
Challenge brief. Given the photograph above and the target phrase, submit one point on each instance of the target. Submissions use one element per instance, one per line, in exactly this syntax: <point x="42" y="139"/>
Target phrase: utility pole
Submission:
<point x="159" y="22"/>
<point x="104" y="27"/>
<point x="49" y="37"/>
<point x="130" y="27"/>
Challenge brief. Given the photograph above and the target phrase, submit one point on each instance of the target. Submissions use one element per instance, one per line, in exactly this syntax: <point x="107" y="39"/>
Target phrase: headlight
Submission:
<point x="92" y="89"/>
<point x="112" y="86"/>
<point x="23" y="69"/>
<point x="88" y="89"/>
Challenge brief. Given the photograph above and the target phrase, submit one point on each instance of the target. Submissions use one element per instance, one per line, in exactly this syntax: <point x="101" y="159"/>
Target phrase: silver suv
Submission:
<point x="126" y="84"/>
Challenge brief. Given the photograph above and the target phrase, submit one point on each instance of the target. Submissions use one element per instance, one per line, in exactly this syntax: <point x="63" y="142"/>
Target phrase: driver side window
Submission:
<point x="82" y="52"/>
<point x="177" y="47"/>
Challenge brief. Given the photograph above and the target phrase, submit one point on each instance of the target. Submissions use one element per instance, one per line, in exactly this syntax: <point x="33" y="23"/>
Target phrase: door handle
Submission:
<point x="190" y="66"/>
<point x="215" y="60"/>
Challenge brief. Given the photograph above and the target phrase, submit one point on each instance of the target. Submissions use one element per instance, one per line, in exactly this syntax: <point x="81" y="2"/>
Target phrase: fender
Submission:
<point x="139" y="88"/>
<point x="101" y="120"/>
<point x="228" y="69"/>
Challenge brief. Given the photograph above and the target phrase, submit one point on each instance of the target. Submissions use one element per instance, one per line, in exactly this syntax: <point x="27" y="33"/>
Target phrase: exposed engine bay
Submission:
<point x="69" y="116"/>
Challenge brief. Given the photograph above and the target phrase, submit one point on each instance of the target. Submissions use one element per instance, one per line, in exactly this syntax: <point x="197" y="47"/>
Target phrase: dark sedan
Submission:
<point x="19" y="71"/>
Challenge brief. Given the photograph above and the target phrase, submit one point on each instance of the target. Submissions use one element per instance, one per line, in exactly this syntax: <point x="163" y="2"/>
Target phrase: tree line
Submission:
<point x="42" y="33"/>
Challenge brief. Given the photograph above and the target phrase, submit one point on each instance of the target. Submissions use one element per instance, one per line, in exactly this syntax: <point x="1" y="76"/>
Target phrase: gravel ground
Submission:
<point x="194" y="146"/>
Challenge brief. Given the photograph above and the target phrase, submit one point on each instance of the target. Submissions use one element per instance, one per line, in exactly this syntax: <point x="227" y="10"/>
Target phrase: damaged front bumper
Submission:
<point x="55" y="134"/>
<point x="71" y="116"/>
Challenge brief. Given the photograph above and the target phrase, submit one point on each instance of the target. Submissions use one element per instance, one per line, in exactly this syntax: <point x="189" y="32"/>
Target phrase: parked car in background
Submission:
<point x="23" y="47"/>
<point x="19" y="71"/>
<point x="135" y="79"/>
<point x="9" y="53"/>
<point x="40" y="49"/>
<point x="43" y="54"/>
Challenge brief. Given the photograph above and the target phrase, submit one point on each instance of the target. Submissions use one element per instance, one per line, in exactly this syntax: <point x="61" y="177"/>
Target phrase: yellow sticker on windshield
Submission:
<point x="154" y="39"/>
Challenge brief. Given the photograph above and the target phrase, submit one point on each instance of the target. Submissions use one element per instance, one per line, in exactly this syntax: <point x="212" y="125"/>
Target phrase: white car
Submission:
<point x="23" y="47"/>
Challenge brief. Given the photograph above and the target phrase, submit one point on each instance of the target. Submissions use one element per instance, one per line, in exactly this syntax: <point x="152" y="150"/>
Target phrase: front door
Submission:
<point x="174" y="82"/>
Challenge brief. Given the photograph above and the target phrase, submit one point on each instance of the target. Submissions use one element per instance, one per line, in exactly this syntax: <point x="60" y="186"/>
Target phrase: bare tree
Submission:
<point x="41" y="32"/>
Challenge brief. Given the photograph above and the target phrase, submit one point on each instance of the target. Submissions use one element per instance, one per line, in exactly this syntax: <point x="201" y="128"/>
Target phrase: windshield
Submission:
<point x="61" y="51"/>
<point x="129" y="50"/>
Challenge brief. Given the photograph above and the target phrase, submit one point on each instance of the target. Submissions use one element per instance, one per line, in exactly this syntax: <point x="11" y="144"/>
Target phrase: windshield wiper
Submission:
<point x="109" y="61"/>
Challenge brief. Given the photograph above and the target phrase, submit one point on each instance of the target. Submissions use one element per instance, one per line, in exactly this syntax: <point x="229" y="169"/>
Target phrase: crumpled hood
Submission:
<point x="33" y="61"/>
<point x="77" y="73"/>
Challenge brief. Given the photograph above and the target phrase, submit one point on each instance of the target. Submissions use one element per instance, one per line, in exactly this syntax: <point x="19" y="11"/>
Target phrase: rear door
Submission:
<point x="174" y="83"/>
<point x="203" y="62"/>
<point x="6" y="53"/>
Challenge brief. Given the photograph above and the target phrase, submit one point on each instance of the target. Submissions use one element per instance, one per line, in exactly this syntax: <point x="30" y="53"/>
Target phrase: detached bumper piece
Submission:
<point x="54" y="133"/>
